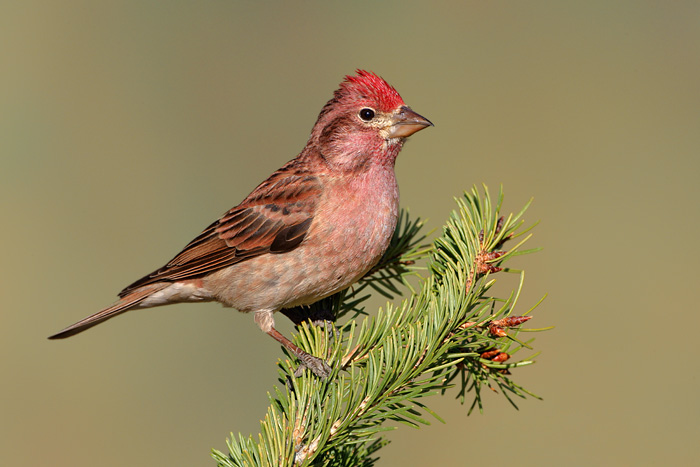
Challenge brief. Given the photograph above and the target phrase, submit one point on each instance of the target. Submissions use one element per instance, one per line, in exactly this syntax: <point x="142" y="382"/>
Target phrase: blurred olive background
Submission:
<point x="127" y="127"/>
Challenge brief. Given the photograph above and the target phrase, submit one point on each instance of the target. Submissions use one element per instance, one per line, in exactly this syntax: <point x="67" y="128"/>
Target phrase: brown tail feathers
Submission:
<point x="125" y="304"/>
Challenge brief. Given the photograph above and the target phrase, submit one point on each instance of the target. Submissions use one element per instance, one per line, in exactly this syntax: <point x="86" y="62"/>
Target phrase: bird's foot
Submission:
<point x="318" y="366"/>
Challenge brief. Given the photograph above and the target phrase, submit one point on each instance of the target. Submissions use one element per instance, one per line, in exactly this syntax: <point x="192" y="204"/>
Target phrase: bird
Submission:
<point x="311" y="229"/>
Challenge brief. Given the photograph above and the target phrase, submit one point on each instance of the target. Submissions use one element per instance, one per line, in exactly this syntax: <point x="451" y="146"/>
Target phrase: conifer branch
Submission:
<point x="448" y="333"/>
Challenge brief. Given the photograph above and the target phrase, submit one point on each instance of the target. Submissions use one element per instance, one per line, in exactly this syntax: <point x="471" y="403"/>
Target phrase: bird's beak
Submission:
<point x="405" y="122"/>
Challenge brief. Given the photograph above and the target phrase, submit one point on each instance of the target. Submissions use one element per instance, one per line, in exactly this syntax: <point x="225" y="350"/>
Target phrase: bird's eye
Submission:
<point x="366" y="114"/>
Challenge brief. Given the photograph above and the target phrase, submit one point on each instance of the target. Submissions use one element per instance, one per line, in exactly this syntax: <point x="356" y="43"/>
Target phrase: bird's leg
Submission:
<point x="319" y="367"/>
<point x="266" y="322"/>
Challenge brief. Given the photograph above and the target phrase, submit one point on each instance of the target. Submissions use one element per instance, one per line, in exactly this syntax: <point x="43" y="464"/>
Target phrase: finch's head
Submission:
<point x="366" y="116"/>
<point x="366" y="88"/>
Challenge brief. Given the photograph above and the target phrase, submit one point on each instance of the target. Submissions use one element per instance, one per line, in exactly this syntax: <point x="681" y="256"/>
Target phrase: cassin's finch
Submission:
<point x="311" y="229"/>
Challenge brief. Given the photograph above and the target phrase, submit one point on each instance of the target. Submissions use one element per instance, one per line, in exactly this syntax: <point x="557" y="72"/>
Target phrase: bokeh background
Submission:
<point x="127" y="127"/>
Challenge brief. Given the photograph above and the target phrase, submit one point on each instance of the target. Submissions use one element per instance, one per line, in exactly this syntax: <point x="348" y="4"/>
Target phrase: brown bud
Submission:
<point x="490" y="354"/>
<point x="499" y="224"/>
<point x="482" y="265"/>
<point x="501" y="357"/>
<point x="510" y="321"/>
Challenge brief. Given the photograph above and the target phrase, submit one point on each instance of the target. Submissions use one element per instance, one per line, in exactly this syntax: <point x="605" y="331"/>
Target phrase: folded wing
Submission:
<point x="273" y="219"/>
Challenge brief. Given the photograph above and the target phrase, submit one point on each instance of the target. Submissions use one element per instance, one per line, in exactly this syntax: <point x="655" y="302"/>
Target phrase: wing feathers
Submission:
<point x="274" y="218"/>
<point x="290" y="237"/>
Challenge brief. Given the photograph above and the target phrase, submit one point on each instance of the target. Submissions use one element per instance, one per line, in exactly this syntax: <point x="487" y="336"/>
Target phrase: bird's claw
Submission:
<point x="318" y="366"/>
